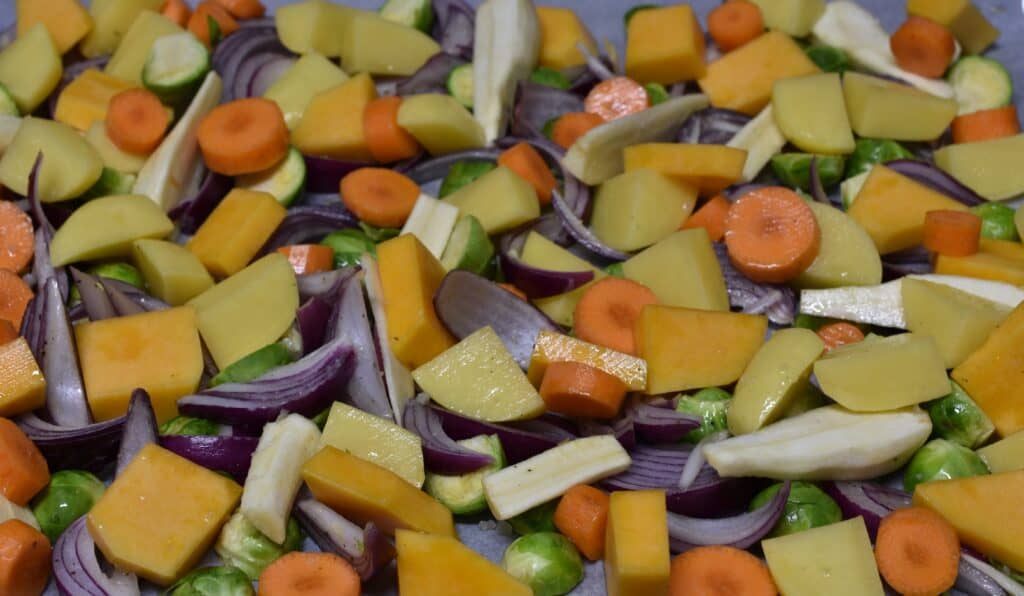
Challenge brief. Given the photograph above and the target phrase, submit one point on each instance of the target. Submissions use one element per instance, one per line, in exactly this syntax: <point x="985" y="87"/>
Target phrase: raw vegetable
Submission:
<point x="468" y="247"/>
<point x="637" y="550"/>
<point x="761" y="139"/>
<point x="582" y="516"/>
<point x="69" y="496"/>
<point x="710" y="216"/>
<point x="951" y="233"/>
<point x="829" y="58"/>
<point x="375" y="45"/>
<point x="432" y="222"/>
<point x="213" y="581"/>
<point x="524" y="160"/>
<point x="175" y="67"/>
<point x="664" y="45"/>
<point x="923" y="47"/>
<point x="433" y="564"/>
<point x="242" y="546"/>
<point x="879" y="108"/>
<point x="546" y="561"/>
<point x="940" y="459"/>
<point x="807" y="507"/>
<point x="285" y="181"/>
<point x="569" y="127"/>
<point x="869" y="152"/>
<point x="243" y="9"/>
<point x="833" y="559"/>
<point x="189" y="427"/>
<point x="608" y="310"/>
<point x="379" y="196"/>
<point x="579" y="390"/>
<point x="535" y="519"/>
<point x="26" y="472"/>
<point x="656" y="93"/>
<point x="375" y="439"/>
<point x="616" y="98"/>
<point x="464" y="494"/>
<point x="711" y="405"/>
<point x="309" y="259"/>
<point x="772" y="235"/>
<point x="70" y="168"/>
<point x="7" y="105"/>
<point x="709" y="568"/>
<point x="839" y="334"/>
<point x="980" y="83"/>
<point x="418" y="14"/>
<point x="17" y="240"/>
<point x="25" y="567"/>
<point x="460" y="84"/>
<point x="30" y="68"/>
<point x="349" y="246"/>
<point x="136" y="121"/>
<point x="254" y="365"/>
<point x="957" y="418"/>
<point x="461" y="174"/>
<point x="986" y="167"/>
<point x="243" y="137"/>
<point x="709" y="168"/>
<point x="210" y="23"/>
<point x="811" y="112"/>
<point x="932" y="568"/>
<point x="794" y="169"/>
<point x="985" y="125"/>
<point x="551" y="78"/>
<point x="733" y="24"/>
<point x="386" y="140"/>
<point x="316" y="573"/>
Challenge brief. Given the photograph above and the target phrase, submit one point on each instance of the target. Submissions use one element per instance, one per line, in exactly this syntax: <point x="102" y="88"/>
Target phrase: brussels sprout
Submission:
<point x="656" y="93"/>
<point x="188" y="426"/>
<point x="550" y="77"/>
<point x="712" y="405"/>
<point x="615" y="270"/>
<point x="957" y="418"/>
<point x="940" y="459"/>
<point x="462" y="173"/>
<point x="254" y="365"/>
<point x="539" y="519"/>
<point x="828" y="58"/>
<point x="996" y="221"/>
<point x="807" y="507"/>
<point x="546" y="561"/>
<point x="378" y="235"/>
<point x="794" y="169"/>
<point x="241" y="545"/>
<point x="69" y="496"/>
<point x="213" y="581"/>
<point x="348" y="246"/>
<point x="874" y="151"/>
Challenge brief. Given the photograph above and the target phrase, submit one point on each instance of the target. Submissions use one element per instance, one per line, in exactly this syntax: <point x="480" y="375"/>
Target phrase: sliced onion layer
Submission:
<point x="518" y="444"/>
<point x="231" y="454"/>
<point x="441" y="453"/>
<point x="741" y="531"/>
<point x="367" y="549"/>
<point x="139" y="429"/>
<point x="77" y="571"/>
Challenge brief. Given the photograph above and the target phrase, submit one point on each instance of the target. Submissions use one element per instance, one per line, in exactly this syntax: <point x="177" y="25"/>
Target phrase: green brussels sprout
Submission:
<point x="546" y="561"/>
<point x="807" y="507"/>
<point x="615" y="270"/>
<point x="940" y="459"/>
<point x="538" y="519"/>
<point x="869" y="152"/>
<point x="828" y="58"/>
<point x="656" y="93"/>
<point x="794" y="169"/>
<point x="69" y="496"/>
<point x="348" y="246"/>
<point x="712" y="406"/>
<point x="254" y="365"/>
<point x="213" y="581"/>
<point x="550" y="77"/>
<point x="955" y="417"/>
<point x="241" y="545"/>
<point x="997" y="221"/>
<point x="378" y="235"/>
<point x="191" y="427"/>
<point x="462" y="173"/>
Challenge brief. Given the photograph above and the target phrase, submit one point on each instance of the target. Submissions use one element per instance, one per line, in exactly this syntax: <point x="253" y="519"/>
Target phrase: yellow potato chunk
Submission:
<point x="836" y="559"/>
<point x="66" y="20"/>
<point x="441" y="124"/>
<point x="69" y="167"/>
<point x="295" y="89"/>
<point x="111" y="20"/>
<point x="560" y="30"/>
<point x="132" y="51"/>
<point x="665" y="45"/>
<point x="696" y="280"/>
<point x="637" y="559"/>
<point x="1006" y="455"/>
<point x="637" y="209"/>
<point x="792" y="17"/>
<point x="110" y="154"/>
<point x="990" y="168"/>
<point x="883" y="109"/>
<point x="107" y="227"/>
<point x="811" y="113"/>
<point x="710" y="168"/>
<point x="332" y="124"/>
<point x="172" y="272"/>
<point x="314" y="26"/>
<point x="556" y="347"/>
<point x="963" y="18"/>
<point x="22" y="386"/>
<point x="31" y="68"/>
<point x="379" y="46"/>
<point x="993" y="375"/>
<point x="84" y="101"/>
<point x="376" y="440"/>
<point x="432" y="565"/>
<point x="517" y="206"/>
<point x="847" y="256"/>
<point x="236" y="230"/>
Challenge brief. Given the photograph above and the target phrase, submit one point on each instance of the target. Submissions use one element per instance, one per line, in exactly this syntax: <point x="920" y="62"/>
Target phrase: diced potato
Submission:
<point x="793" y="17"/>
<point x="295" y="89"/>
<point x="314" y="26"/>
<point x="70" y="165"/>
<point x="963" y="18"/>
<point x="990" y="168"/>
<point x="982" y="265"/>
<point x="158" y="351"/>
<point x="66" y="20"/>
<point x="479" y="378"/>
<point x="958" y="322"/>
<point x="847" y="256"/>
<point x="636" y="209"/>
<point x="111" y="20"/>
<point x="778" y="374"/>
<point x="743" y="79"/>
<point x="637" y="558"/>
<point x="500" y="200"/>
<point x="22" y="386"/>
<point x="556" y="347"/>
<point x="540" y="252"/>
<point x="883" y="109"/>
<point x="31" y="68"/>
<point x="886" y="374"/>
<point x="710" y="168"/>
<point x="110" y="154"/>
<point x="106" y="227"/>
<point x="248" y="310"/>
<point x="236" y="230"/>
<point x="432" y="565"/>
<point x="560" y="30"/>
<point x="690" y="349"/>
<point x="332" y="124"/>
<point x="696" y="279"/>
<point x="665" y="45"/>
<point x="993" y="375"/>
<point x="378" y="46"/>
<point x="131" y="53"/>
<point x="836" y="559"/>
<point x="811" y="112"/>
<point x="1006" y="455"/>
<point x="441" y="124"/>
<point x="83" y="103"/>
<point x="172" y="273"/>
<point x="376" y="440"/>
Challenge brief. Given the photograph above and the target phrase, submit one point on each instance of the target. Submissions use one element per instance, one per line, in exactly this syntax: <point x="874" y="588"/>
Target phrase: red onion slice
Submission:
<point x="231" y="454"/>
<point x="534" y="281"/>
<point x="139" y="429"/>
<point x="741" y="531"/>
<point x="303" y="224"/>
<point x="662" y="425"/>
<point x="65" y="391"/>
<point x="94" y="298"/>
<point x="441" y="453"/>
<point x="578" y="230"/>
<point x="868" y="500"/>
<point x="518" y="444"/>
<point x="77" y="572"/>
<point x="931" y="176"/>
<point x="367" y="549"/>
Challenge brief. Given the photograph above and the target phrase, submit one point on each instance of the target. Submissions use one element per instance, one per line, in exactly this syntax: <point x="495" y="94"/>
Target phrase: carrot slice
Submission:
<point x="199" y="22"/>
<point x="24" y="559"/>
<point x="136" y="121"/>
<point x="952" y="233"/>
<point x="710" y="570"/>
<point x="985" y="125"/>
<point x="309" y="258"/>
<point x="617" y="97"/>
<point x="524" y="160"/>
<point x="14" y="297"/>
<point x="840" y="334"/>
<point x="17" y="240"/>
<point x="572" y="125"/>
<point x="309" y="574"/>
<point x="243" y="9"/>
<point x="734" y="24"/>
<point x="917" y="552"/>
<point x="243" y="136"/>
<point x="771" y="234"/>
<point x="711" y="216"/>
<point x="578" y="389"/>
<point x="176" y="11"/>
<point x="379" y="196"/>
<point x="923" y="47"/>
<point x="386" y="140"/>
<point x="7" y="332"/>
<point x="608" y="310"/>
<point x="582" y="515"/>
<point x="511" y="288"/>
<point x="23" y="471"/>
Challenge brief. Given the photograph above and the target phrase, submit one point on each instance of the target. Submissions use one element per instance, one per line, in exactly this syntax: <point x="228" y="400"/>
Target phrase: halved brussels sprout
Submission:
<point x="546" y="561"/>
<point x="940" y="459"/>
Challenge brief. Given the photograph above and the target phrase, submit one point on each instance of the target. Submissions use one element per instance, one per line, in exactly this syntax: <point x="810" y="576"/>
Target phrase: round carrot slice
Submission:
<point x="243" y="137"/>
<point x="719" y="570"/>
<point x="379" y="196"/>
<point x="608" y="310"/>
<point x="771" y="234"/>
<point x="923" y="47"/>
<point x="839" y="334"/>
<point x="136" y="121"/>
<point x="617" y="97"/>
<point x="733" y="24"/>
<point x="917" y="551"/>
<point x="17" y="241"/>
<point x="14" y="297"/>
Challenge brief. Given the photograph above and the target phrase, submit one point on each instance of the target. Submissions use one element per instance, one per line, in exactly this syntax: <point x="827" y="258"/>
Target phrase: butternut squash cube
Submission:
<point x="963" y="18"/>
<point x="66" y="20"/>
<point x="439" y="123"/>
<point x="882" y="109"/>
<point x="295" y="89"/>
<point x="409" y="277"/>
<point x="236" y="230"/>
<point x="477" y="377"/>
<point x="793" y="17"/>
<point x="560" y="30"/>
<point x="172" y="272"/>
<point x="31" y="68"/>
<point x="332" y="124"/>
<point x="22" y="386"/>
<point x="376" y="440"/>
<point x="710" y="168"/>
<point x="517" y="204"/>
<point x="636" y="559"/>
<point x="664" y="45"/>
<point x="378" y="46"/>
<point x="111" y="20"/>
<point x="811" y="113"/>
<point x="130" y="56"/>
<point x="84" y="101"/>
<point x="107" y="227"/>
<point x="836" y="559"/>
<point x="990" y="168"/>
<point x="690" y="349"/>
<point x="696" y="280"/>
<point x="432" y="565"/>
<point x="110" y="154"/>
<point x="1010" y="249"/>
<point x="993" y="375"/>
<point x="161" y="515"/>
<point x="70" y="167"/>
<point x="1006" y="455"/>
<point x="982" y="265"/>
<point x="541" y="252"/>
<point x="743" y="79"/>
<point x="636" y="209"/>
<point x="365" y="492"/>
<point x="248" y="310"/>
<point x="891" y="208"/>
<point x="556" y="347"/>
<point x="158" y="351"/>
<point x="985" y="510"/>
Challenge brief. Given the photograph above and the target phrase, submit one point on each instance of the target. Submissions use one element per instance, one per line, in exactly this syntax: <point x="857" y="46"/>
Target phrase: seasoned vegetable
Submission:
<point x="188" y="426"/>
<point x="794" y="169"/>
<point x="940" y="459"/>
<point x="460" y="84"/>
<point x="213" y="581"/>
<point x="957" y="418"/>
<point x="241" y="545"/>
<point x="874" y="151"/>
<point x="461" y="174"/>
<point x="537" y="519"/>
<point x="997" y="221"/>
<point x="545" y="561"/>
<point x="70" y="495"/>
<point x="464" y="494"/>
<point x="829" y="58"/>
<point x="807" y="507"/>
<point x="348" y="246"/>
<point x="712" y="406"/>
